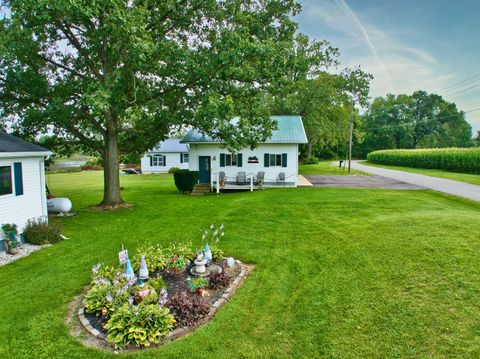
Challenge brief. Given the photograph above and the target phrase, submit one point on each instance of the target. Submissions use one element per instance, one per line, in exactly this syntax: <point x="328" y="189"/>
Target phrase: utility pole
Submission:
<point x="350" y="138"/>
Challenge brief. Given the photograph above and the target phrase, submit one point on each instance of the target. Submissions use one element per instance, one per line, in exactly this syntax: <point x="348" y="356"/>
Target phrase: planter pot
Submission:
<point x="12" y="251"/>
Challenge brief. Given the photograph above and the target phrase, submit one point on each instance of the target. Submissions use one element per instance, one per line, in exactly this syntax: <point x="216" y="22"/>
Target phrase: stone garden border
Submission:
<point x="97" y="339"/>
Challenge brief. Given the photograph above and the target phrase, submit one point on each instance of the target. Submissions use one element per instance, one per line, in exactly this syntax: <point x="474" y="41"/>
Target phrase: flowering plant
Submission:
<point x="176" y="264"/>
<point x="213" y="234"/>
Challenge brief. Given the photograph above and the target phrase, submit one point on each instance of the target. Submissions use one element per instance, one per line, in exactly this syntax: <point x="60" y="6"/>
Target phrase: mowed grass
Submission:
<point x="326" y="168"/>
<point x="344" y="273"/>
<point x="456" y="176"/>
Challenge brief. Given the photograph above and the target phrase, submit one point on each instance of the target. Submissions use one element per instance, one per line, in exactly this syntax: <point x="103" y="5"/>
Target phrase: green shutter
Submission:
<point x="222" y="159"/>
<point x="266" y="158"/>
<point x="164" y="160"/>
<point x="181" y="157"/>
<point x="151" y="160"/>
<point x="18" y="175"/>
<point x="284" y="160"/>
<point x="239" y="160"/>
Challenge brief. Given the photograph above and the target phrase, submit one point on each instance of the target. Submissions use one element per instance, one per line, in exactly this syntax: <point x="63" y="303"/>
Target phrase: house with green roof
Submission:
<point x="273" y="163"/>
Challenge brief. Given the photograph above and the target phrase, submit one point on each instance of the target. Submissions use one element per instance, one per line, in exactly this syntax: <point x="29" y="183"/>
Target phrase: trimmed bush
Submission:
<point x="41" y="232"/>
<point x="185" y="180"/>
<point x="173" y="170"/>
<point x="451" y="159"/>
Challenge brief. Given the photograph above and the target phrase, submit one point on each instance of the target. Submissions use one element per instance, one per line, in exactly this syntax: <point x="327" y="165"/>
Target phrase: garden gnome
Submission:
<point x="143" y="272"/>
<point x="208" y="253"/>
<point x="129" y="271"/>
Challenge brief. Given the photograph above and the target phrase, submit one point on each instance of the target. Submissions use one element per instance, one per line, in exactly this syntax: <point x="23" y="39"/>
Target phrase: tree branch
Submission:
<point x="61" y="66"/>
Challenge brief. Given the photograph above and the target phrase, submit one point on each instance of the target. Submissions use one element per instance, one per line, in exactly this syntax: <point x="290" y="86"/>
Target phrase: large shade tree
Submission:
<point x="114" y="76"/>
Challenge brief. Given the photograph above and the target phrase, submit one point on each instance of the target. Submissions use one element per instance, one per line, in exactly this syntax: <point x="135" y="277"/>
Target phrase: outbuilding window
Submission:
<point x="158" y="160"/>
<point x="184" y="158"/>
<point x="231" y="159"/>
<point x="275" y="160"/>
<point x="6" y="180"/>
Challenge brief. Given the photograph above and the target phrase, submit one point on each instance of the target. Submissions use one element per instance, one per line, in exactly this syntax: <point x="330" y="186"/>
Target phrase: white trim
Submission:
<point x="24" y="154"/>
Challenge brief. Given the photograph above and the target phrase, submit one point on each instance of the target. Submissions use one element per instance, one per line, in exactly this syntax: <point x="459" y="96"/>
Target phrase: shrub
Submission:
<point x="188" y="310"/>
<point x="218" y="280"/>
<point x="41" y="232"/>
<point x="180" y="249"/>
<point x="138" y="325"/>
<point x="311" y="160"/>
<point x="173" y="170"/>
<point x="451" y="159"/>
<point x="185" y="180"/>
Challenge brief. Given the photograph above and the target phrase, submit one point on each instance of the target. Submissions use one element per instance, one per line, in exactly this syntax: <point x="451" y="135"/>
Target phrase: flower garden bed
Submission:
<point x="181" y="291"/>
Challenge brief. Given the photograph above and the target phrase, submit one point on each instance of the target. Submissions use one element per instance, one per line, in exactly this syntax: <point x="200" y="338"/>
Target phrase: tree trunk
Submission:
<point x="111" y="171"/>
<point x="309" y="146"/>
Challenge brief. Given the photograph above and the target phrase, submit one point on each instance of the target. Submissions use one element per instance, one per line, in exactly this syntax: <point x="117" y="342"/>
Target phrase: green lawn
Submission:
<point x="463" y="177"/>
<point x="325" y="168"/>
<point x="344" y="273"/>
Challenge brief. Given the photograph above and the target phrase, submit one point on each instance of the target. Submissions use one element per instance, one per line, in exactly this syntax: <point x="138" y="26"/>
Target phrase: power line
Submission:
<point x="459" y="87"/>
<point x="468" y="88"/>
<point x="458" y="83"/>
<point x="425" y="120"/>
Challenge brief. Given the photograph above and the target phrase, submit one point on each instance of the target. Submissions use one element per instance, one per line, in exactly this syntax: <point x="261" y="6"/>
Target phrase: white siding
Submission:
<point x="32" y="204"/>
<point x="251" y="169"/>
<point x="172" y="160"/>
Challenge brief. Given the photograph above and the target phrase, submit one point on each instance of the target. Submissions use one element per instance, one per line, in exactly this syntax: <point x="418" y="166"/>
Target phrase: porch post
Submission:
<point x="218" y="184"/>
<point x="251" y="184"/>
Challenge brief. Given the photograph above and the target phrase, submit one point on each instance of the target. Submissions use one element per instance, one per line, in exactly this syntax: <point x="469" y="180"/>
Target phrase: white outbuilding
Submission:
<point x="273" y="163"/>
<point x="169" y="153"/>
<point x="22" y="182"/>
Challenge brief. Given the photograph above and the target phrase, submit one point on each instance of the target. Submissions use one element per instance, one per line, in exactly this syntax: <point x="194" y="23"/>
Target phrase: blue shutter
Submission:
<point x="18" y="175"/>
<point x="239" y="160"/>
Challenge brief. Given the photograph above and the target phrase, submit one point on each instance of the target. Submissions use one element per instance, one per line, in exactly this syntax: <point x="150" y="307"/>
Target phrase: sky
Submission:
<point x="407" y="45"/>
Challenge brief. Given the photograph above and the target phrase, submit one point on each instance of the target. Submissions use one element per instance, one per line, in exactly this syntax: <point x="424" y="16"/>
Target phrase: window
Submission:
<point x="5" y="180"/>
<point x="185" y="157"/>
<point x="231" y="159"/>
<point x="158" y="160"/>
<point x="275" y="160"/>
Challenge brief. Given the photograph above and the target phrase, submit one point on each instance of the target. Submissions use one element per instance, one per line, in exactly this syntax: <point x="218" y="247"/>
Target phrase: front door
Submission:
<point x="204" y="169"/>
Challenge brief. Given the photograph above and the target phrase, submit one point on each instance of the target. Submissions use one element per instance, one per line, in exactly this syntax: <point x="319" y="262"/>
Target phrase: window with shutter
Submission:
<point x="5" y="180"/>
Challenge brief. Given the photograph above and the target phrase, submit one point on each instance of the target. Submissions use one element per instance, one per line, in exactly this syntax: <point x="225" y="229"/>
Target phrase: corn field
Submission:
<point x="452" y="159"/>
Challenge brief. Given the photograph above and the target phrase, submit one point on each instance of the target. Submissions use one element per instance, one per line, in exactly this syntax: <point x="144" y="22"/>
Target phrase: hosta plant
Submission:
<point x="155" y="257"/>
<point x="139" y="325"/>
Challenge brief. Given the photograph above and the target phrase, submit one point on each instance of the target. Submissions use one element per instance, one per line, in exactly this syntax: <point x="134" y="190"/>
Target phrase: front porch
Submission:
<point x="251" y="183"/>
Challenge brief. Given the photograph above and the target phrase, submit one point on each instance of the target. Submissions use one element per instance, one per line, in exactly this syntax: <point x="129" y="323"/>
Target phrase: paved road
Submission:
<point x="457" y="188"/>
<point x="358" y="181"/>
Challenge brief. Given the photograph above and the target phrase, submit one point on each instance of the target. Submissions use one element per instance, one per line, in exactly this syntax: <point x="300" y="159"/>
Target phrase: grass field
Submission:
<point x="463" y="177"/>
<point x="338" y="273"/>
<point x="325" y="168"/>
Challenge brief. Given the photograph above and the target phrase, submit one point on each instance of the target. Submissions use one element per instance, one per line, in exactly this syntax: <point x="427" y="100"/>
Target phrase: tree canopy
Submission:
<point x="114" y="76"/>
<point x="413" y="121"/>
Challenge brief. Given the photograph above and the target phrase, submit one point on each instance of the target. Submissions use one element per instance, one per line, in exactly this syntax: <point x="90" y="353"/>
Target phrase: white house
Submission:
<point x="271" y="164"/>
<point x="22" y="182"/>
<point x="169" y="153"/>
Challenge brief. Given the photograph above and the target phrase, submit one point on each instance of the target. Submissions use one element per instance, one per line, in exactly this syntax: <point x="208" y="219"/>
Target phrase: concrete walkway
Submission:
<point x="457" y="188"/>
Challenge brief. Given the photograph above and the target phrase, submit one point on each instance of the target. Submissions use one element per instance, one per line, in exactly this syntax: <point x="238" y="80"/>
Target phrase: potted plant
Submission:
<point x="11" y="232"/>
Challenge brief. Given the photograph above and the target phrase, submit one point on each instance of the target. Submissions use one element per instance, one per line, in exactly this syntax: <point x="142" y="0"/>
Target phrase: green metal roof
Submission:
<point x="289" y="130"/>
